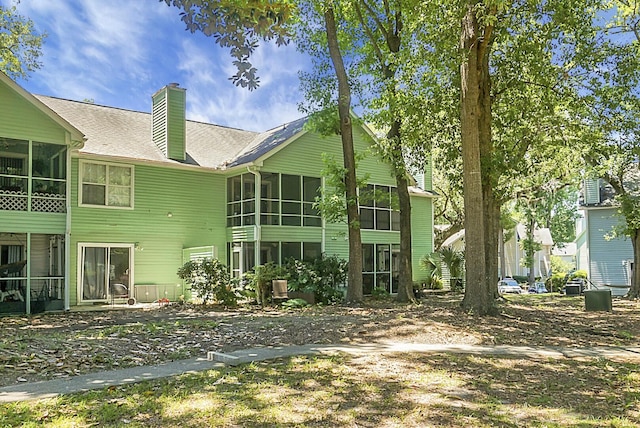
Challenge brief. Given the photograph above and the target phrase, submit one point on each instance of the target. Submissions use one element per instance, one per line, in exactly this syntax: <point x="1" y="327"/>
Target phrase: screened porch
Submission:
<point x="31" y="272"/>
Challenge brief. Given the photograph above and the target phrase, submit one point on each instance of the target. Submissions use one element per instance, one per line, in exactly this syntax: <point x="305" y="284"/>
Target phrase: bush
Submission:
<point x="321" y="276"/>
<point x="434" y="283"/>
<point x="578" y="274"/>
<point x="210" y="280"/>
<point x="259" y="281"/>
<point x="379" y="293"/>
<point x="521" y="279"/>
<point x="294" y="303"/>
<point x="556" y="282"/>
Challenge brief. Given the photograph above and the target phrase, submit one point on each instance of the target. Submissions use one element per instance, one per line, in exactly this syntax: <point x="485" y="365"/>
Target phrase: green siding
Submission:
<point x="336" y="242"/>
<point x="421" y="233"/>
<point x="197" y="219"/>
<point x="380" y="237"/>
<point x="21" y="119"/>
<point x="176" y="123"/>
<point x="35" y="222"/>
<point x="169" y="126"/>
<point x="159" y="131"/>
<point x="304" y="157"/>
<point x="291" y="234"/>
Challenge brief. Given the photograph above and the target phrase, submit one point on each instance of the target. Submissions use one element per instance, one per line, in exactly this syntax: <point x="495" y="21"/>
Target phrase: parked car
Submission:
<point x="508" y="285"/>
<point x="538" y="288"/>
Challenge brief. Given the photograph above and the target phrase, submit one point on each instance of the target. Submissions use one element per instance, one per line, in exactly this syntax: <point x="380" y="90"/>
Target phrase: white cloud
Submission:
<point x="119" y="52"/>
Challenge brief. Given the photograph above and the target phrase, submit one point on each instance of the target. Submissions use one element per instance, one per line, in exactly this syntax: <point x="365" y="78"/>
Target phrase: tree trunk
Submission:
<point x="478" y="194"/>
<point x="634" y="292"/>
<point x="491" y="205"/>
<point x="405" y="280"/>
<point x="354" y="281"/>
<point x="531" y="252"/>
<point x="503" y="257"/>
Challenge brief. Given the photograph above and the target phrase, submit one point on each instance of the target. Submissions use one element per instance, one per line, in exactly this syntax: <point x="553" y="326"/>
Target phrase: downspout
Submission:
<point x="587" y="241"/>
<point x="257" y="228"/>
<point x="67" y="235"/>
<point x="27" y="297"/>
<point x="323" y="244"/>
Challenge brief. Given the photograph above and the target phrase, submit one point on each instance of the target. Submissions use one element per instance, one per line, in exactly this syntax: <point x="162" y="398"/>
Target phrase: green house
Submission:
<point x="103" y="205"/>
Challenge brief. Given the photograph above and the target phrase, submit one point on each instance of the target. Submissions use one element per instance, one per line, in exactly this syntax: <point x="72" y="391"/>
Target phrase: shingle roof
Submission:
<point x="125" y="133"/>
<point x="268" y="141"/>
<point x="541" y="236"/>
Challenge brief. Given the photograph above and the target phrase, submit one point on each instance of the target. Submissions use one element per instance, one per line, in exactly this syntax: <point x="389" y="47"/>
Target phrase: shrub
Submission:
<point x="210" y="280"/>
<point x="520" y="279"/>
<point x="321" y="276"/>
<point x="578" y="274"/>
<point x="453" y="260"/>
<point x="434" y="283"/>
<point x="379" y="293"/>
<point x="260" y="280"/>
<point x="301" y="276"/>
<point x="295" y="303"/>
<point x="556" y="282"/>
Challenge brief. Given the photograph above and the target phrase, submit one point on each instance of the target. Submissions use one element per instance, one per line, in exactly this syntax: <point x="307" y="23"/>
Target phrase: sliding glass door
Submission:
<point x="106" y="271"/>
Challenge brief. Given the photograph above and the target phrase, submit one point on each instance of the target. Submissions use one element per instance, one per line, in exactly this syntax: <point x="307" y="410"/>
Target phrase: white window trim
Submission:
<point x="81" y="182"/>
<point x="80" y="267"/>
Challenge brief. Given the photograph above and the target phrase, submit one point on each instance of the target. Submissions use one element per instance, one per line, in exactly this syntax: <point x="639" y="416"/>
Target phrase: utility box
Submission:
<point x="572" y="290"/>
<point x="598" y="300"/>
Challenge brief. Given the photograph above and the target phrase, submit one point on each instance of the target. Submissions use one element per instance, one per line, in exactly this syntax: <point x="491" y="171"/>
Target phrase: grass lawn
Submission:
<point x="383" y="390"/>
<point x="399" y="390"/>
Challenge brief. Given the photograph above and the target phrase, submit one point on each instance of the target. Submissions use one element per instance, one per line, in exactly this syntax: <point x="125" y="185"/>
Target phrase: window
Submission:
<point x="379" y="208"/>
<point x="241" y="200"/>
<point x="306" y="251"/>
<point x="380" y="266"/>
<point x="106" y="185"/>
<point x="289" y="200"/>
<point x="270" y="198"/>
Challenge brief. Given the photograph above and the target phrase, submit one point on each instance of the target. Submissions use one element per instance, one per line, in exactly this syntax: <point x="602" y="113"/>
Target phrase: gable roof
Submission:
<point x="542" y="235"/>
<point x="124" y="133"/>
<point x="76" y="136"/>
<point x="264" y="143"/>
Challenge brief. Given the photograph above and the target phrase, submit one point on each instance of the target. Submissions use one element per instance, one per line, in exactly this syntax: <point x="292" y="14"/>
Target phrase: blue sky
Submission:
<point x="119" y="52"/>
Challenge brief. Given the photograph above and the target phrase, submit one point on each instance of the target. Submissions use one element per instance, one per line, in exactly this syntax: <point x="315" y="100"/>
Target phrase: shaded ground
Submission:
<point x="58" y="345"/>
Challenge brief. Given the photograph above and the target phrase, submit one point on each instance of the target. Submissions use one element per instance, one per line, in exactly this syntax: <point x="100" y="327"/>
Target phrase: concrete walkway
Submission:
<point x="92" y="381"/>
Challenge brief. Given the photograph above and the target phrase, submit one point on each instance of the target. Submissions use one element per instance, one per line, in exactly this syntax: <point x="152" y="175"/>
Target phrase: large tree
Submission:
<point x="508" y="66"/>
<point x="609" y="80"/>
<point x="385" y="42"/>
<point x="20" y="44"/>
<point x="240" y="26"/>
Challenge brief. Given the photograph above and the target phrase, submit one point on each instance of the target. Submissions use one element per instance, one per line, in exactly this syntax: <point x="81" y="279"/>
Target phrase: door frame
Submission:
<point x="80" y="269"/>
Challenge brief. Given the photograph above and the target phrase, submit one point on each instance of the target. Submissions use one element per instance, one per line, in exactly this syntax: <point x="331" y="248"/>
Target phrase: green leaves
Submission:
<point x="20" y="44"/>
<point x="239" y="26"/>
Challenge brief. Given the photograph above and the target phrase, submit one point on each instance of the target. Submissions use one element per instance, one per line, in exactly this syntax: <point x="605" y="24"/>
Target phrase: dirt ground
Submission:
<point x="49" y="346"/>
